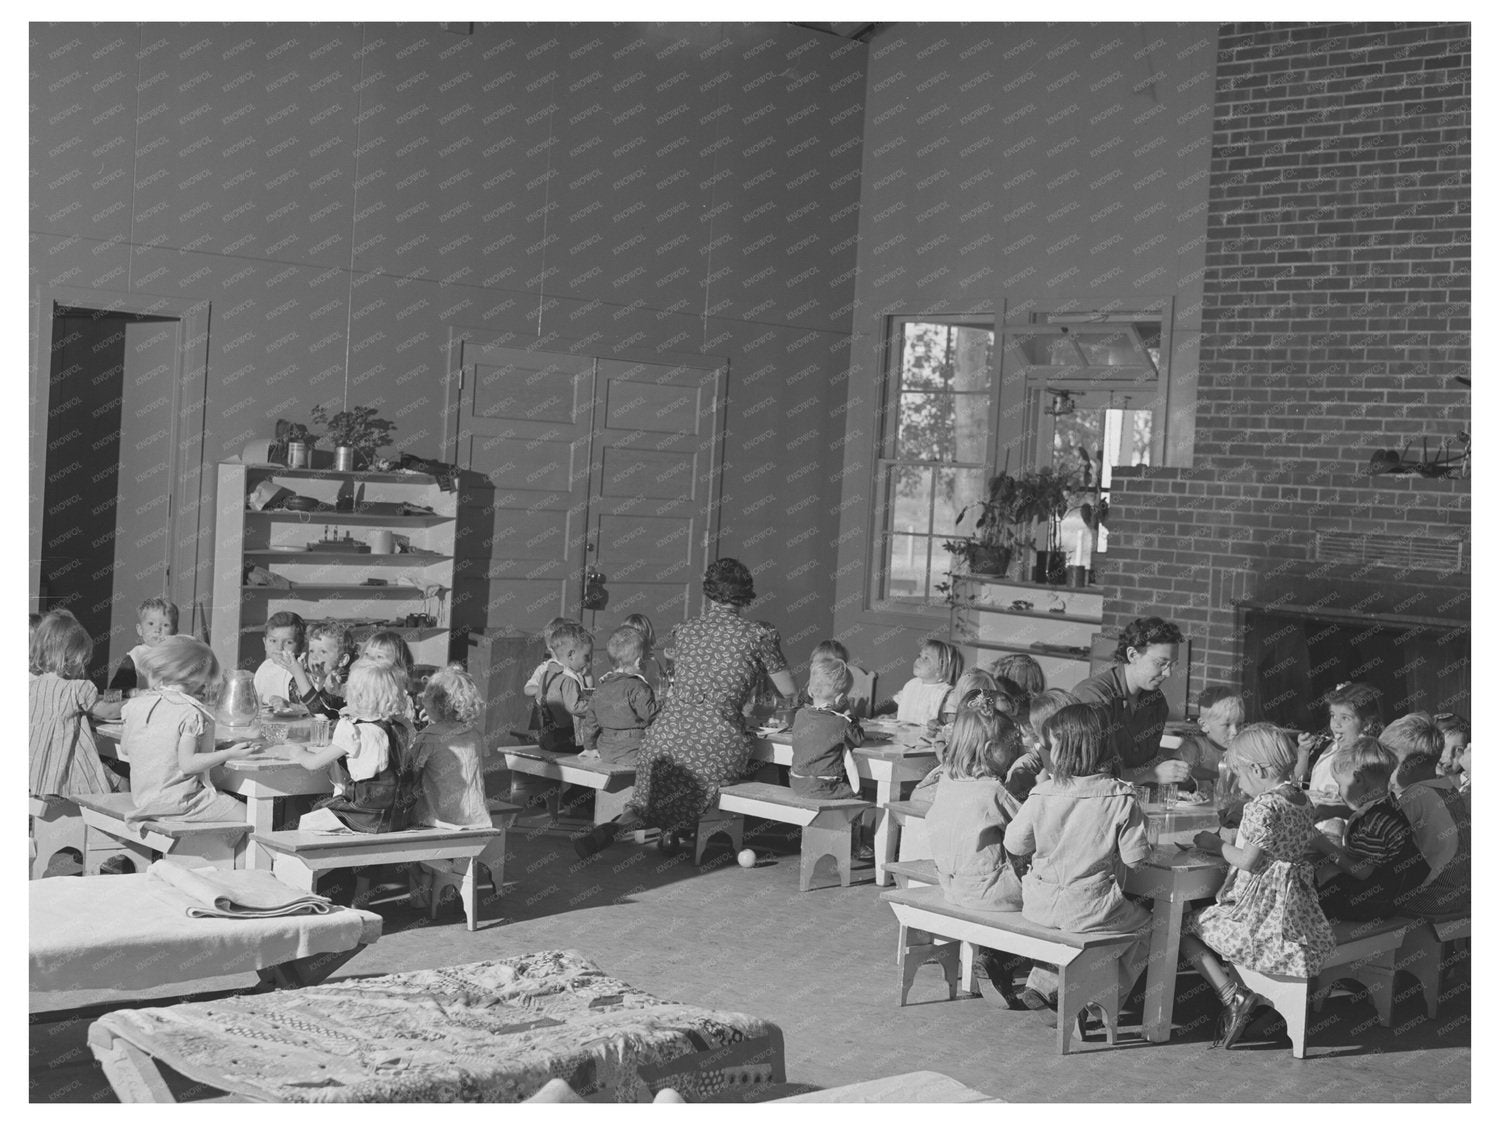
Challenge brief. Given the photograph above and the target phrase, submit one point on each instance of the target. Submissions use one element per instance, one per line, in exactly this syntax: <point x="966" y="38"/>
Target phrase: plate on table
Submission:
<point x="886" y="726"/>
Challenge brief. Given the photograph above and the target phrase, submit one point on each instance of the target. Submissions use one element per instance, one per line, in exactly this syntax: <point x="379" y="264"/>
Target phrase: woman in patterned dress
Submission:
<point x="1266" y="916"/>
<point x="699" y="741"/>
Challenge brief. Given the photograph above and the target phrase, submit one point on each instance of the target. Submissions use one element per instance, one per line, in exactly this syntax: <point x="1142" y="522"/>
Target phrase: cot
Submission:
<point x="493" y="1031"/>
<point x="132" y="932"/>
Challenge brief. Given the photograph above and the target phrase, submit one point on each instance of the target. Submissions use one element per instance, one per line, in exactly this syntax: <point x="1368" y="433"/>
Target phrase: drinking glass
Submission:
<point x="1153" y="831"/>
<point x="1166" y="793"/>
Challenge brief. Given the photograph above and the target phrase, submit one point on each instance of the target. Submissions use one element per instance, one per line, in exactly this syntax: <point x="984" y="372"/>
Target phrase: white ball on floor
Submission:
<point x="747" y="857"/>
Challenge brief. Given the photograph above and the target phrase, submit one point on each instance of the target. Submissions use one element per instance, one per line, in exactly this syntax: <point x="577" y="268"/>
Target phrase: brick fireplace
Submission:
<point x="1335" y="319"/>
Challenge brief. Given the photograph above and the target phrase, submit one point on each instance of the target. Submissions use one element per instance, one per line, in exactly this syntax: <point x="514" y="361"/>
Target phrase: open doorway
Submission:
<point x="116" y="435"/>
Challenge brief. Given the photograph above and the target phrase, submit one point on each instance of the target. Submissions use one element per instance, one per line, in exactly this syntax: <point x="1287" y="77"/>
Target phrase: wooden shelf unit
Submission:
<point x="327" y="584"/>
<point x="984" y="626"/>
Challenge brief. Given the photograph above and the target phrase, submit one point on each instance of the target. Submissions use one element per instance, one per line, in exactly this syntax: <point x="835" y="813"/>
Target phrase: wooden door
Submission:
<point x="653" y="489"/>
<point x="525" y="424"/>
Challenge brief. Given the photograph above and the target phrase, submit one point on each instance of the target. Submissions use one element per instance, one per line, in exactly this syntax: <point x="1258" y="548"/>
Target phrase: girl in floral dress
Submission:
<point x="698" y="741"/>
<point x="1266" y="916"/>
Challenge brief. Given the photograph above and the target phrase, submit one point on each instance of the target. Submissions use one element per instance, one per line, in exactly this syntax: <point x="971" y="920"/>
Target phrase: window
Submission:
<point x="937" y="441"/>
<point x="1081" y="391"/>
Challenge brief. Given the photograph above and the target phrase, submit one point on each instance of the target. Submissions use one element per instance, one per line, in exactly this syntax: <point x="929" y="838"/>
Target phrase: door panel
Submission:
<point x="652" y="491"/>
<point x="525" y="425"/>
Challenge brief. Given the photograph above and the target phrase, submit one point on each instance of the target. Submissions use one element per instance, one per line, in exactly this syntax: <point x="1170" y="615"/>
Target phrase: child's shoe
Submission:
<point x="864" y="853"/>
<point x="1236" y="1017"/>
<point x="997" y="969"/>
<point x="595" y="840"/>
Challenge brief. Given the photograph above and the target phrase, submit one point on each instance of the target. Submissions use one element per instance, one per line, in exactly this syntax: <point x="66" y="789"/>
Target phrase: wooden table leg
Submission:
<point x="886" y="834"/>
<point x="261" y="813"/>
<point x="1161" y="970"/>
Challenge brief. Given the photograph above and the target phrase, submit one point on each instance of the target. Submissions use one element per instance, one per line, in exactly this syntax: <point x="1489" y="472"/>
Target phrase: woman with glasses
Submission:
<point x="1129" y="693"/>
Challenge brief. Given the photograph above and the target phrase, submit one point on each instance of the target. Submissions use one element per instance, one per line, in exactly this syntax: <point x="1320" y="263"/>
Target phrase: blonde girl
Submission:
<point x="651" y="665"/>
<point x="370" y="755"/>
<point x="1266" y="916"/>
<point x="448" y="756"/>
<point x="934" y="673"/>
<point x="388" y="647"/>
<point x="64" y="758"/>
<point x="169" y="737"/>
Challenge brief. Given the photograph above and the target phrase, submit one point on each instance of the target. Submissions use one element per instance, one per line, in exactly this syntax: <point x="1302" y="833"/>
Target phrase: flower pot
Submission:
<point x="990" y="560"/>
<point x="343" y="458"/>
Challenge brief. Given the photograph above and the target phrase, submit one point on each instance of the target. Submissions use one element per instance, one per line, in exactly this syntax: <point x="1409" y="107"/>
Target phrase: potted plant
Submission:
<point x="356" y="434"/>
<point x="996" y="527"/>
<point x="1047" y="493"/>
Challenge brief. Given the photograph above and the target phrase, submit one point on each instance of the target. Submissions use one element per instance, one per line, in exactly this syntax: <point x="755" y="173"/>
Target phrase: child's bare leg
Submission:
<point x="1201" y="958"/>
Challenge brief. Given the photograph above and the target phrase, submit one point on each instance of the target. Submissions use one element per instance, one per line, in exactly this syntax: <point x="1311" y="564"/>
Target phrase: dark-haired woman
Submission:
<point x="699" y="741"/>
<point x="1130" y="694"/>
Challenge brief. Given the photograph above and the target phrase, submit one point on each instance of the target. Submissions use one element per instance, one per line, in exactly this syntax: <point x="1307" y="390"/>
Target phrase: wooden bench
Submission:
<point x="56" y="824"/>
<point x="1367" y="952"/>
<point x="1427" y="949"/>
<point x="300" y="857"/>
<point x="912" y="817"/>
<point x="932" y="929"/>
<point x="612" y="785"/>
<point x="922" y="872"/>
<point x="827" y="822"/>
<point x="213" y="842"/>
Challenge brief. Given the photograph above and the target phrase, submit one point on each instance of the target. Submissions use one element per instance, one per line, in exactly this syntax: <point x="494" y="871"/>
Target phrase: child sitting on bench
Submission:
<point x="1266" y="916"/>
<point x="169" y="737"/>
<point x="1072" y="834"/>
<point x="370" y="758"/>
<point x="623" y="705"/>
<point x="966" y="824"/>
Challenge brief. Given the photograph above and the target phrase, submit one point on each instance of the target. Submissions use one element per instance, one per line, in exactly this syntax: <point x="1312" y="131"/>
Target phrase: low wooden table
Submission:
<point x="893" y="767"/>
<point x="612" y="784"/>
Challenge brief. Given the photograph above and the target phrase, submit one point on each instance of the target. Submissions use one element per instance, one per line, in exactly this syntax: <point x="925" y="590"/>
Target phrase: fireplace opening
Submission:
<point x="1294" y="655"/>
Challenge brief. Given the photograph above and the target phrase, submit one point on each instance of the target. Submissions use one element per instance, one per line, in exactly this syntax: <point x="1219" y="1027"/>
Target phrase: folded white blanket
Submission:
<point x="236" y="894"/>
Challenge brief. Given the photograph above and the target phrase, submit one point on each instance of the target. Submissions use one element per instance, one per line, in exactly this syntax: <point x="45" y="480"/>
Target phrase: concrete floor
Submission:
<point x="822" y="966"/>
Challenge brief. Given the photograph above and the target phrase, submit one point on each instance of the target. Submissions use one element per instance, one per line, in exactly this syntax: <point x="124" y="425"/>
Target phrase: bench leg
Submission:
<point x="214" y="851"/>
<point x="715" y="822"/>
<point x="294" y="873"/>
<point x="831" y="837"/>
<point x="470" y="893"/>
<point x="60" y="827"/>
<point x="607" y="806"/>
<point x="966" y="968"/>
<point x="1092" y="978"/>
<point x="1289" y="996"/>
<point x="1421" y="955"/>
<point x="915" y="954"/>
<point x="493" y="858"/>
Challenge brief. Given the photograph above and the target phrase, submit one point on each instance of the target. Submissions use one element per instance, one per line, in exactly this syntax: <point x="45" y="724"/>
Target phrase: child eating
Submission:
<point x="369" y="756"/>
<point x="562" y="698"/>
<point x="551" y="666"/>
<point x="1353" y="711"/>
<point x="622" y="706"/>
<point x="1266" y="915"/>
<point x="1022" y="671"/>
<point x="275" y="683"/>
<point x="1378" y="865"/>
<point x="155" y="618"/>
<point x="169" y="737"/>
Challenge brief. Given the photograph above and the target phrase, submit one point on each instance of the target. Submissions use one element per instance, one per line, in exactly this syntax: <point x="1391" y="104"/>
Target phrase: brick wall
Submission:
<point x="1335" y="316"/>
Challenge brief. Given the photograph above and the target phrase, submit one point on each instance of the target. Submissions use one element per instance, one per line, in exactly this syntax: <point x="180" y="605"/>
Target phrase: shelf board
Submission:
<point x="1001" y="646"/>
<point x="311" y="590"/>
<point x="271" y="469"/>
<point x="1040" y="613"/>
<point x="362" y="558"/>
<point x="361" y="628"/>
<point x="1049" y="587"/>
<point x="363" y="519"/>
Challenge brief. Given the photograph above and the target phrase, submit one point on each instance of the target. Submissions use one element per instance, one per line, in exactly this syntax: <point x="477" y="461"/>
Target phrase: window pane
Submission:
<point x="973" y="350"/>
<point x="925" y="429"/>
<point x="911" y="504"/>
<point x="906" y="566"/>
<point x="956" y="488"/>
<point x="926" y="359"/>
<point x="1123" y="436"/>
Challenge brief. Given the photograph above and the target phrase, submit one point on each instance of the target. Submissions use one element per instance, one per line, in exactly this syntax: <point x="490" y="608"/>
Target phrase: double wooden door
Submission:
<point x="603" y="466"/>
